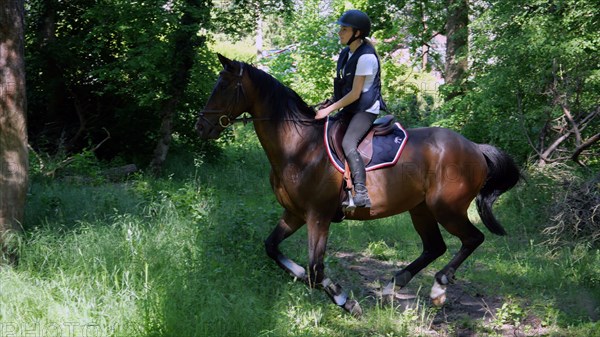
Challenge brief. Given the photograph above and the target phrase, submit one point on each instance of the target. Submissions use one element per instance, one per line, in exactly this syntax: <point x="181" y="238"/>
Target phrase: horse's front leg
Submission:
<point x="318" y="232"/>
<point x="287" y="225"/>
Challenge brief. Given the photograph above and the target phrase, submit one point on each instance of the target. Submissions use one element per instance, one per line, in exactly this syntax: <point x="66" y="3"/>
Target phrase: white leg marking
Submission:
<point x="389" y="289"/>
<point x="438" y="293"/>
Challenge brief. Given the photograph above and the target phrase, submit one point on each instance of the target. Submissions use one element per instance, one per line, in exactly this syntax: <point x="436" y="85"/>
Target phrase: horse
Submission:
<point x="438" y="175"/>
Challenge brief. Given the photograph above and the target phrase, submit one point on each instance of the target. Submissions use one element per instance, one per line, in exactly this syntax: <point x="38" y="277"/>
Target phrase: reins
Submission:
<point x="242" y="119"/>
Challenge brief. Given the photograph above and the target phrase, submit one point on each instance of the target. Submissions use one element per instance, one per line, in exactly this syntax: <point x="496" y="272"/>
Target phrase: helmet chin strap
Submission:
<point x="354" y="37"/>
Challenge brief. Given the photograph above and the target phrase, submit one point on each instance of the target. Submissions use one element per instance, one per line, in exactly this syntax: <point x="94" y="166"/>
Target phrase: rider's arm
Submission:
<point x="349" y="98"/>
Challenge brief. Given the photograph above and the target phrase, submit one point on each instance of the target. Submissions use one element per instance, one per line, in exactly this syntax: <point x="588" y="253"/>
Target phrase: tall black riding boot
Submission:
<point x="359" y="177"/>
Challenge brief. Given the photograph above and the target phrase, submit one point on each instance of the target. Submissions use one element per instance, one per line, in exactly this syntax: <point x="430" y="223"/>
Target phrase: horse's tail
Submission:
<point x="502" y="175"/>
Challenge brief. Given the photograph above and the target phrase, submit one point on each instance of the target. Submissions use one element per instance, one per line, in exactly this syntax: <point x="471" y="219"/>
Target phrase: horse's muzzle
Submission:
<point x="206" y="131"/>
<point x="199" y="129"/>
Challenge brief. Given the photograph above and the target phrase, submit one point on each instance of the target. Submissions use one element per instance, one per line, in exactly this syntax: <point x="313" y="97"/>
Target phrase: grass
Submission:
<point x="183" y="256"/>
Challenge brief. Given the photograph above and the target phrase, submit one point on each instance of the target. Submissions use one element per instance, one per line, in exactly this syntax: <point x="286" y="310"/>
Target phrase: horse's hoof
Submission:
<point x="387" y="300"/>
<point x="388" y="294"/>
<point x="353" y="308"/>
<point x="438" y="294"/>
<point x="439" y="301"/>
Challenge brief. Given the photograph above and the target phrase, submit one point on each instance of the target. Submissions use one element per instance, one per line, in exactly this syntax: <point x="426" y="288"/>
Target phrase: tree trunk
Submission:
<point x="425" y="55"/>
<point x="457" y="46"/>
<point x="185" y="42"/>
<point x="14" y="156"/>
<point x="259" y="36"/>
<point x="166" y="130"/>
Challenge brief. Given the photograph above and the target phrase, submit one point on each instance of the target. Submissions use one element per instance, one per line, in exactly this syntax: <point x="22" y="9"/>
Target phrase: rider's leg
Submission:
<point x="357" y="129"/>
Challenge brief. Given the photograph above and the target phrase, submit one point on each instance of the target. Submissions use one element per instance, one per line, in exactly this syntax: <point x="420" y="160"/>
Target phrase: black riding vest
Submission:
<point x="342" y="84"/>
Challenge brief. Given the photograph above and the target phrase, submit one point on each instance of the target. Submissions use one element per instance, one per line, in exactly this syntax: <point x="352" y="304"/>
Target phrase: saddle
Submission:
<point x="381" y="127"/>
<point x="380" y="148"/>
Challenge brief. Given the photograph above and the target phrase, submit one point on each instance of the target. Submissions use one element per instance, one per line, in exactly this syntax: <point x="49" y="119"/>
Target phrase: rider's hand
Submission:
<point x="322" y="113"/>
<point x="324" y="109"/>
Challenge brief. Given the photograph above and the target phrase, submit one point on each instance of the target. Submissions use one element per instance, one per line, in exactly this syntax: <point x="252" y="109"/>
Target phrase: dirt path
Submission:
<point x="469" y="310"/>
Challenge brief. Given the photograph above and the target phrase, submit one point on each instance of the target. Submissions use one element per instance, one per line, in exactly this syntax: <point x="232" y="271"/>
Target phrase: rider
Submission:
<point x="357" y="91"/>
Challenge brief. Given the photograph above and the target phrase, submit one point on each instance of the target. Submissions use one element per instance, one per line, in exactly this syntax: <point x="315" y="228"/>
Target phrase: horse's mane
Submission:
<point x="284" y="103"/>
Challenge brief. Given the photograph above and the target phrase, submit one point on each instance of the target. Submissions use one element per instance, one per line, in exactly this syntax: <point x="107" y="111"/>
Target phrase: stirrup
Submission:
<point x="362" y="200"/>
<point x="348" y="204"/>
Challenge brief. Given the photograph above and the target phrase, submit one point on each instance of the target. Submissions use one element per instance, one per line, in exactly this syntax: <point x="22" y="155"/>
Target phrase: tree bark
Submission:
<point x="14" y="157"/>
<point x="457" y="46"/>
<point x="185" y="43"/>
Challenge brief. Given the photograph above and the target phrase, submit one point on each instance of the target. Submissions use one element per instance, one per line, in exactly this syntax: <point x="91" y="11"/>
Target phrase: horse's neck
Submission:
<point x="288" y="142"/>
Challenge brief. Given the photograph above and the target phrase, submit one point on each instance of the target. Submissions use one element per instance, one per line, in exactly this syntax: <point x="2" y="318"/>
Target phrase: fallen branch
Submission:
<point x="575" y="214"/>
<point x="117" y="172"/>
<point x="65" y="162"/>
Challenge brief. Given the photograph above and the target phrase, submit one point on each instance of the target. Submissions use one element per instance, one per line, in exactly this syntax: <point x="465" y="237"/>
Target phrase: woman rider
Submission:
<point x="357" y="91"/>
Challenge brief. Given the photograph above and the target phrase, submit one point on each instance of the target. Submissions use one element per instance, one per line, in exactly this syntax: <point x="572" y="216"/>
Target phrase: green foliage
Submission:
<point x="411" y="95"/>
<point x="239" y="18"/>
<point x="308" y="67"/>
<point x="241" y="50"/>
<point x="529" y="60"/>
<point x="96" y="65"/>
<point x="380" y="250"/>
<point x="409" y="23"/>
<point x="510" y="313"/>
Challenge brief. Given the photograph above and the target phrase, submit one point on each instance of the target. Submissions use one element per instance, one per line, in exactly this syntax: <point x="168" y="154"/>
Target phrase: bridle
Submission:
<point x="225" y="119"/>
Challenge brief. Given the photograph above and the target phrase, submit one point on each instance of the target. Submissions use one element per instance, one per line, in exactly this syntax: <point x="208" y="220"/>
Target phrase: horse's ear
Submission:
<point x="227" y="63"/>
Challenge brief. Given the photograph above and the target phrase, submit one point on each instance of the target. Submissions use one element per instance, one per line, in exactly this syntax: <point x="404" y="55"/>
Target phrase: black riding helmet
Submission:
<point x="357" y="20"/>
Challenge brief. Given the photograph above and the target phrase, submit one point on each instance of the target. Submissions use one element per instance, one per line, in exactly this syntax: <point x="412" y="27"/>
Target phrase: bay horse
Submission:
<point x="436" y="178"/>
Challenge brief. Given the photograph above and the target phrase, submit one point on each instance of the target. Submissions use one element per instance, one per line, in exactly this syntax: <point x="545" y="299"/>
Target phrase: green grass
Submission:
<point x="183" y="256"/>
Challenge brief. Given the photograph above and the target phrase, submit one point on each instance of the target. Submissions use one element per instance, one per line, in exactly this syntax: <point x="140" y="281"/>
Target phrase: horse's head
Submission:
<point x="227" y="101"/>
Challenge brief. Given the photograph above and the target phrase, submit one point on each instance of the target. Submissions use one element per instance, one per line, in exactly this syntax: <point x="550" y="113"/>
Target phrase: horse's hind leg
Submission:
<point x="287" y="225"/>
<point x="433" y="247"/>
<point x="459" y="225"/>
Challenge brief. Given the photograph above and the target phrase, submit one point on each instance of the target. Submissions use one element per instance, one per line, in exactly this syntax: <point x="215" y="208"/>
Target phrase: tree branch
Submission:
<point x="64" y="163"/>
<point x="545" y="155"/>
<point x="589" y="142"/>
